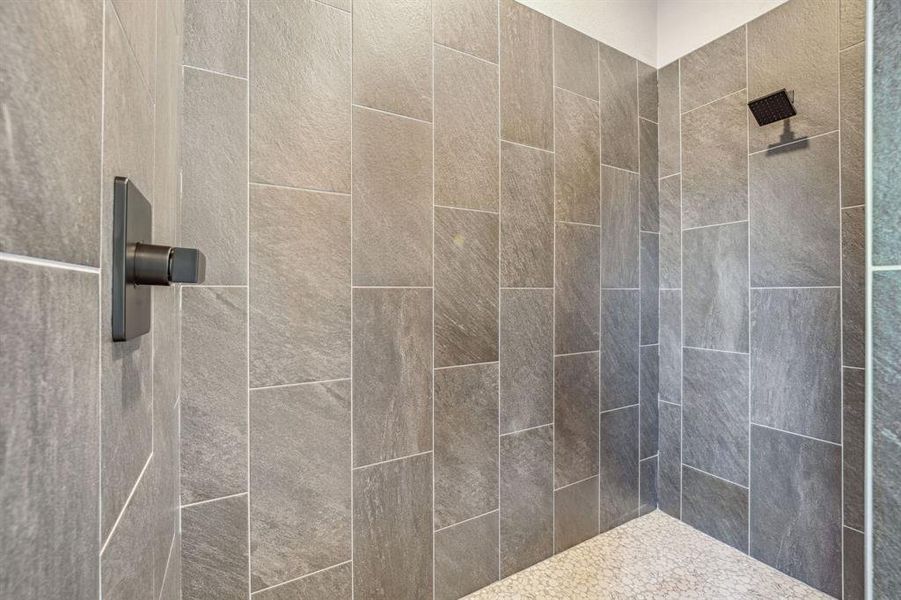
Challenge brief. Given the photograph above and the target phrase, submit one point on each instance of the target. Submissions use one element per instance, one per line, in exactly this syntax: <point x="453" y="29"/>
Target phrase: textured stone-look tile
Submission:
<point x="669" y="133"/>
<point x="619" y="228"/>
<point x="216" y="36"/>
<point x="715" y="413"/>
<point x="138" y="21"/>
<point x="466" y="557"/>
<point x="465" y="443"/>
<point x="51" y="72"/>
<point x="214" y="172"/>
<point x="467" y="25"/>
<point x="854" y="281"/>
<point x="853" y="441"/>
<point x="526" y="498"/>
<point x="299" y="286"/>
<point x="527" y="76"/>
<point x="795" y="225"/>
<point x="852" y="125"/>
<point x="392" y="200"/>
<point x="671" y="232"/>
<point x="619" y="340"/>
<point x="715" y="280"/>
<point x="577" y="158"/>
<point x="575" y="418"/>
<point x="163" y="477"/>
<point x="794" y="46"/>
<point x="647" y="92"/>
<point x="393" y="529"/>
<point x="300" y="93"/>
<point x="650" y="287"/>
<point x="853" y="564"/>
<point x="466" y="280"/>
<point x="715" y="163"/>
<point x="332" y="584"/>
<point x="853" y="18"/>
<point x="619" y="108"/>
<point x="526" y="358"/>
<point x="213" y="393"/>
<point x="796" y="507"/>
<point x="299" y="482"/>
<point x="126" y="564"/>
<point x="649" y="184"/>
<point x="714" y="70"/>
<point x="214" y="550"/>
<point x="669" y="473"/>
<point x="576" y="514"/>
<point x="527" y="217"/>
<point x="392" y="64"/>
<point x="575" y="61"/>
<point x="671" y="346"/>
<point x="172" y="583"/>
<point x="392" y="356"/>
<point x="647" y="492"/>
<point x="466" y="134"/>
<point x="619" y="467"/>
<point x="649" y="372"/>
<point x="576" y="291"/>
<point x="716" y="507"/>
<point x="48" y="330"/>
<point x="796" y="361"/>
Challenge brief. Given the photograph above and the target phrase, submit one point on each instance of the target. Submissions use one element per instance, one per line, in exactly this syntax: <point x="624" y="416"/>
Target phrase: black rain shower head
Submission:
<point x="772" y="107"/>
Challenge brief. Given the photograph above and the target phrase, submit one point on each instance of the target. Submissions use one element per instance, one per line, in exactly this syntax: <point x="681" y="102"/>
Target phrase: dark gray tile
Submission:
<point x="854" y="282"/>
<point x="714" y="70"/>
<point x="527" y="76"/>
<point x="619" y="340"/>
<point x="575" y="418"/>
<point x="214" y="550"/>
<point x="49" y="322"/>
<point x="715" y="280"/>
<point x="671" y="346"/>
<point x="619" y="228"/>
<point x="300" y="260"/>
<point x="671" y="232"/>
<point x="465" y="443"/>
<point x="466" y="287"/>
<point x="669" y="133"/>
<point x="852" y="125"/>
<point x="577" y="293"/>
<point x="527" y="217"/>
<point x="649" y="184"/>
<point x="619" y="467"/>
<point x="647" y="91"/>
<point x="853" y="451"/>
<point x="853" y="18"/>
<point x="216" y="35"/>
<point x="393" y="529"/>
<point x="716" y="507"/>
<point x="796" y="361"/>
<point x="853" y="565"/>
<point x="575" y="514"/>
<point x="467" y="25"/>
<point x="213" y="393"/>
<point x="648" y="485"/>
<point x="796" y="517"/>
<point x="52" y="70"/>
<point x="649" y="368"/>
<point x="619" y="108"/>
<point x="466" y="131"/>
<point x="669" y="461"/>
<point x="526" y="498"/>
<point x="300" y="443"/>
<point x="126" y="563"/>
<point x="650" y="287"/>
<point x="332" y="584"/>
<point x="392" y="373"/>
<point x="795" y="228"/>
<point x="575" y="61"/>
<point x="526" y="358"/>
<point x="466" y="557"/>
<point x="577" y="158"/>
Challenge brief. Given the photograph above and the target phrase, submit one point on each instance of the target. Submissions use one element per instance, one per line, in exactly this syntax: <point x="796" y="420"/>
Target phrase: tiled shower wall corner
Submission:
<point x="762" y="307"/>
<point x="423" y="222"/>
<point x="89" y="475"/>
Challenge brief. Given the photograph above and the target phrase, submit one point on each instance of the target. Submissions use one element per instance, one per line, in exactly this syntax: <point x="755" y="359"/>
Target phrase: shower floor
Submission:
<point x="652" y="557"/>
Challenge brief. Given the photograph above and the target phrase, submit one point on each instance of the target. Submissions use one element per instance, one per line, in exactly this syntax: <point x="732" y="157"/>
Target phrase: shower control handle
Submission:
<point x="163" y="265"/>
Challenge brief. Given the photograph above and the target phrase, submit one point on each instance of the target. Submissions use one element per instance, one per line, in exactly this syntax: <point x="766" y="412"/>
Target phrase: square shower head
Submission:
<point x="772" y="107"/>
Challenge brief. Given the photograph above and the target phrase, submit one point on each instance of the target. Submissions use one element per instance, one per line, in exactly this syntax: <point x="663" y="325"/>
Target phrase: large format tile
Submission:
<point x="619" y="228"/>
<point x="299" y="286"/>
<point x="669" y="461"/>
<point x="466" y="134"/>
<point x="334" y="583"/>
<point x="649" y="184"/>
<point x="714" y="70"/>
<point x="619" y="467"/>
<point x="527" y="76"/>
<point x="853" y="572"/>
<point x="671" y="346"/>
<point x="647" y="485"/>
<point x="669" y="125"/>
<point x="796" y="507"/>
<point x="214" y="550"/>
<point x="575" y="61"/>
<point x="650" y="287"/>
<point x="300" y="93"/>
<point x="392" y="200"/>
<point x="48" y="330"/>
<point x="577" y="168"/>
<point x="853" y="68"/>
<point x="619" y="341"/>
<point x="796" y="361"/>
<point x="716" y="507"/>
<point x="854" y="282"/>
<point x="619" y="108"/>
<point x="216" y="36"/>
<point x="647" y="92"/>
<point x="466" y="557"/>
<point x="468" y="26"/>
<point x="671" y="232"/>
<point x="393" y="529"/>
<point x="649" y="394"/>
<point x="575" y="513"/>
<point x="853" y="450"/>
<point x="575" y="418"/>
<point x="853" y="18"/>
<point x="576" y="293"/>
<point x="392" y="360"/>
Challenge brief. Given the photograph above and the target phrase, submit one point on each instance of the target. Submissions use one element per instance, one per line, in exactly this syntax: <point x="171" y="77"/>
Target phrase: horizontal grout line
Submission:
<point x="797" y="287"/>
<point x="557" y="87"/>
<point x="853" y="367"/>
<point x="526" y="146"/>
<point x="583" y="480"/>
<point x="715" y="476"/>
<point x="326" y="4"/>
<point x="653" y="232"/>
<point x="798" y="141"/>
<point x="610" y="410"/>
<point x="714" y="225"/>
<point x="391" y="460"/>
<point x="464" y="53"/>
<point x="852" y="46"/>
<point x="389" y="113"/>
<point x="715" y="350"/>
<point x="649" y="120"/>
<point x="198" y="503"/>
<point x="885" y="267"/>
<point x="663" y="289"/>
<point x="272" y="587"/>
<point x="809" y="437"/>
<point x="668" y="402"/>
<point x="526" y="429"/>
<point x="744" y="89"/>
<point x="467" y="520"/>
<point x="212" y="72"/>
<point x="127" y="503"/>
<point x="853" y="529"/>
<point x="391" y="287"/>
<point x="525" y="288"/>
<point x="214" y="285"/>
<point x="576" y="353"/>
<point x="577" y="223"/>
<point x="648" y="345"/>
<point x="620" y="169"/>
<point x="854" y="206"/>
<point x="287" y="385"/>
<point x="478" y="210"/>
<point x="490" y="362"/>
<point x="620" y="289"/>
<point x="46" y="262"/>
<point x="668" y="176"/>
<point x="299" y="189"/>
<point x="651" y="457"/>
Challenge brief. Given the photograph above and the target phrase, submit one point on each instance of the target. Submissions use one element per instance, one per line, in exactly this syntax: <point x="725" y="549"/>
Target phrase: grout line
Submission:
<point x="212" y="72"/>
<point x="670" y="403"/>
<point x="550" y="424"/>
<point x="576" y="223"/>
<point x="165" y="573"/>
<point x="601" y="298"/>
<point x="852" y="46"/>
<point x="869" y="68"/>
<point x="554" y="430"/>
<point x="583" y="480"/>
<point x="296" y="189"/>
<point x="877" y="268"/>
<point x="620" y="289"/>
<point x="715" y="225"/>
<point x="853" y="529"/>
<point x="46" y="262"/>
<point x="464" y="53"/>
<point x="651" y="457"/>
<point x="619" y="169"/>
<point x="649" y="232"/>
<point x="748" y="297"/>
<point x="526" y="146"/>
<point x="649" y="345"/>
<point x="808" y="437"/>
<point x="100" y="292"/>
<point x="212" y="285"/>
<point x="493" y="362"/>
<point x="681" y="284"/>
<point x="287" y="385"/>
<point x="127" y="504"/>
<point x="706" y="104"/>
<point x="432" y="365"/>
<point x="841" y="303"/>
<point x="247" y="305"/>
<point x="345" y="11"/>
<point x="391" y="114"/>
<point x="640" y="283"/>
<point x="575" y="353"/>
<point x="686" y="465"/>
<point x="648" y="120"/>
<point x="391" y="460"/>
<point x="391" y="287"/>
<point x="610" y="410"/>
<point x="798" y="287"/>
<point x="563" y="89"/>
<point x="200" y="502"/>
<point x="799" y="140"/>
<point x="497" y="574"/>
<point x="525" y="288"/>
<point x="850" y="367"/>
<point x="854" y="206"/>
<point x="715" y="350"/>
<point x="351" y="294"/>
<point x="278" y="585"/>
<point x="484" y="514"/>
<point x="478" y="210"/>
<point x="670" y="175"/>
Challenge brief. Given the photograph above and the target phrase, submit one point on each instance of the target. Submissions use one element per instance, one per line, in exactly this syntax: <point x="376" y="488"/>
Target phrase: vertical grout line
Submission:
<point x="638" y="210"/>
<point x="748" y="181"/>
<point x="597" y="52"/>
<point x="500" y="217"/>
<point x="681" y="287"/>
<point x="353" y="562"/>
<point x="841" y="308"/>
<point x="432" y="377"/>
<point x="100" y="308"/>
<point x="554" y="220"/>
<point x="247" y="289"/>
<point x="868" y="304"/>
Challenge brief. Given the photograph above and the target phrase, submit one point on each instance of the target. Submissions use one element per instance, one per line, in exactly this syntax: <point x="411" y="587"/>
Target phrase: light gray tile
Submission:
<point x="714" y="70"/>
<point x="527" y="76"/>
<point x="647" y="91"/>
<point x="467" y="25"/>
<point x="853" y="550"/>
<point x="465" y="443"/>
<point x="853" y="18"/>
<point x="854" y="281"/>
<point x="300" y="94"/>
<point x="619" y="228"/>
<point x="216" y="35"/>
<point x="126" y="563"/>
<point x="300" y="511"/>
<point x="392" y="355"/>
<point x="619" y="341"/>
<point x="575" y="418"/>
<point x="51" y="74"/>
<point x="577" y="293"/>
<point x="48" y="320"/>
<point x="671" y="346"/>
<point x="716" y="507"/>
<point x="163" y="476"/>
<point x="853" y="441"/>
<point x="575" y="61"/>
<point x="339" y="4"/>
<point x="669" y="475"/>
<point x="466" y="557"/>
<point x="527" y="217"/>
<point x="649" y="371"/>
<point x="619" y="108"/>
<point x="619" y="467"/>
<point x="392" y="200"/>
<point x="214" y="550"/>
<point x="575" y="514"/>
<point x="852" y="125"/>
<point x="466" y="131"/>
<point x="671" y="232"/>
<point x="795" y="512"/>
<point x="669" y="134"/>
<point x="172" y="583"/>
<point x="332" y="584"/>
<point x="138" y="21"/>
<point x="650" y="287"/>
<point x="299" y="286"/>
<point x="648" y="485"/>
<point x="577" y="159"/>
<point x="649" y="184"/>
<point x="796" y="361"/>
<point x="466" y="287"/>
<point x="393" y="529"/>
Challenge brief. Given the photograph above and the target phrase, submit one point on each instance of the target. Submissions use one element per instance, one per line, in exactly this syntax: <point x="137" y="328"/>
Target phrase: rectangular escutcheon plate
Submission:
<point x="132" y="224"/>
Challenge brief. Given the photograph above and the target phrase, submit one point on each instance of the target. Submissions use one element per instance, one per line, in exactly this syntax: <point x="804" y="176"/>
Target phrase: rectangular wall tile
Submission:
<point x="468" y="26"/>
<point x="575" y="418"/>
<point x="671" y="232"/>
<point x="466" y="287"/>
<point x="671" y="346"/>
<point x="619" y="108"/>
<point x="575" y="61"/>
<point x="137" y="20"/>
<point x="466" y="557"/>
<point x="332" y="584"/>
<point x="619" y="228"/>
<point x="647" y="92"/>
<point x="576" y="514"/>
<point x="392" y="356"/>
<point x="854" y="281"/>
<point x="853" y="451"/>
<point x="668" y="133"/>
<point x="648" y="186"/>
<point x="649" y="391"/>
<point x="619" y="341"/>
<point x="852" y="125"/>
<point x="577" y="158"/>
<point x="650" y="287"/>
<point x="716" y="507"/>
<point x="852" y="21"/>
<point x="853" y="564"/>
<point x="214" y="550"/>
<point x="669" y="475"/>
<point x="714" y="70"/>
<point x="796" y="361"/>
<point x="216" y="36"/>
<point x="126" y="563"/>
<point x="619" y="467"/>
<point x="576" y="291"/>
<point x="648" y="485"/>
<point x="299" y="286"/>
